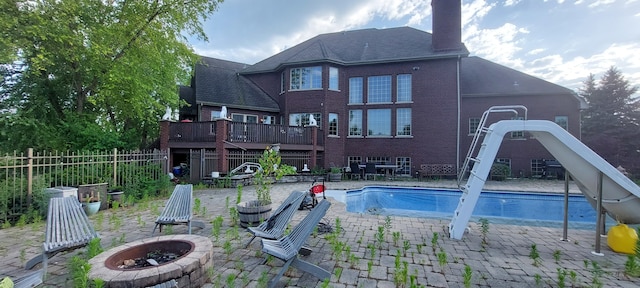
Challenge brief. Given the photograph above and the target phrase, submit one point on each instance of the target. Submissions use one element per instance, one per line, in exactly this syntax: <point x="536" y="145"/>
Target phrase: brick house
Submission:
<point x="398" y="96"/>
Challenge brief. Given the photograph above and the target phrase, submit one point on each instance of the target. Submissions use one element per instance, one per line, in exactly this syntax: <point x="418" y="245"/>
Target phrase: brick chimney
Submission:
<point x="447" y="19"/>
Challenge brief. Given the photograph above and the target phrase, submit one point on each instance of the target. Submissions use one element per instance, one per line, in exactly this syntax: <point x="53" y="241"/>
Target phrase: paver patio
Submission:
<point x="503" y="262"/>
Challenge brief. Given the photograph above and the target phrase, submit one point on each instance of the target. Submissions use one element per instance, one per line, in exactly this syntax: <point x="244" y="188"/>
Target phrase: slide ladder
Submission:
<point x="481" y="131"/>
<point x="478" y="174"/>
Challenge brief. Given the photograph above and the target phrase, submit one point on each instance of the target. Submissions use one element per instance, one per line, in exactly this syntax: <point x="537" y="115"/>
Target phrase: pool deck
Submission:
<point x="504" y="261"/>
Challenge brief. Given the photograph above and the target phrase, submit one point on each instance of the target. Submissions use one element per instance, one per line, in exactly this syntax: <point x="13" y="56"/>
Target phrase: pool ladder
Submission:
<point x="469" y="199"/>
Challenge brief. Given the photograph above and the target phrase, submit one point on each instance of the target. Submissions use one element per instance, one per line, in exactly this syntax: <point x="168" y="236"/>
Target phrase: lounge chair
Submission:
<point x="286" y="248"/>
<point x="67" y="228"/>
<point x="179" y="209"/>
<point x="274" y="227"/>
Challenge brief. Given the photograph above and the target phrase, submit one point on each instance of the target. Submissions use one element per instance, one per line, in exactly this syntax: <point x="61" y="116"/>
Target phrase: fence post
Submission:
<point x="29" y="176"/>
<point x="115" y="167"/>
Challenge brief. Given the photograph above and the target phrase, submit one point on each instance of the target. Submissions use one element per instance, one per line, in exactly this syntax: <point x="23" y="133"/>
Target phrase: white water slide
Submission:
<point x="591" y="173"/>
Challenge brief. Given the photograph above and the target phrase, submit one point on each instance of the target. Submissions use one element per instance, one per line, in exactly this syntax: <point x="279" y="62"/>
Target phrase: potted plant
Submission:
<point x="91" y="203"/>
<point x="254" y="211"/>
<point x="115" y="194"/>
<point x="335" y="174"/>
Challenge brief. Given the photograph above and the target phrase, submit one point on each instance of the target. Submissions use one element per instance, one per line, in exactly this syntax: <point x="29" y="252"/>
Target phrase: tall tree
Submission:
<point x="611" y="124"/>
<point x="98" y="69"/>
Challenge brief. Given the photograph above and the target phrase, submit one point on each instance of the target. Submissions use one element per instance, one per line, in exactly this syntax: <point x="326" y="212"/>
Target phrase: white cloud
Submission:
<point x="536" y="51"/>
<point x="572" y="72"/>
<point x="601" y="3"/>
<point x="500" y="44"/>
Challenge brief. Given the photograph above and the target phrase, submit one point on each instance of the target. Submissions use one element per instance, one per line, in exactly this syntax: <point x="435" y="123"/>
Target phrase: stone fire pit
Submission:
<point x="189" y="270"/>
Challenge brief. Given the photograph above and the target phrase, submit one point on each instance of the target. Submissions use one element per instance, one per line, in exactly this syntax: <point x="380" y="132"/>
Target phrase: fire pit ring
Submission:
<point x="189" y="269"/>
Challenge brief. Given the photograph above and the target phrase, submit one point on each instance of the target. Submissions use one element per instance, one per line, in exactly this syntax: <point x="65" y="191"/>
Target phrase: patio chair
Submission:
<point x="67" y="228"/>
<point x="274" y="227"/>
<point x="287" y="247"/>
<point x="179" y="209"/>
<point x="370" y="170"/>
<point x="355" y="170"/>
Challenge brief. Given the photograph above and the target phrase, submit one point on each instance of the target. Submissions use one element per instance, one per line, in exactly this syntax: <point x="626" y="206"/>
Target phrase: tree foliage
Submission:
<point x="611" y="124"/>
<point x="99" y="73"/>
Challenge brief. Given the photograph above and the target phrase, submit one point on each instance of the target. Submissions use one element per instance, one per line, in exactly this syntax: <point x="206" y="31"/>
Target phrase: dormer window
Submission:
<point x="306" y="78"/>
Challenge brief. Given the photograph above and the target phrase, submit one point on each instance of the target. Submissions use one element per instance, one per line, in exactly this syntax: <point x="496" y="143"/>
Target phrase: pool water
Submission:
<point x="522" y="208"/>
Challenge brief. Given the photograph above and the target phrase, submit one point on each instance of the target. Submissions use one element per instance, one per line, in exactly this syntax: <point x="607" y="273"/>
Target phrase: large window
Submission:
<point x="355" y="90"/>
<point x="333" y="124"/>
<point x="302" y="119"/>
<point x="563" y="121"/>
<point x="379" y="89"/>
<point x="306" y="78"/>
<point x="355" y="122"/>
<point x="403" y="166"/>
<point x="473" y="125"/>
<point x="379" y="122"/>
<point x="244" y="118"/>
<point x="333" y="79"/>
<point x="403" y="121"/>
<point x="404" y="88"/>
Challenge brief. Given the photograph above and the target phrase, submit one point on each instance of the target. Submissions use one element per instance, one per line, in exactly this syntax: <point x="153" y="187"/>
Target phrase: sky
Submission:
<point x="556" y="40"/>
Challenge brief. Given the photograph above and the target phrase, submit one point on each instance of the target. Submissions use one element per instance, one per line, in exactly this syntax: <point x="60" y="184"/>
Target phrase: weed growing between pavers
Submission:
<point x="467" y="276"/>
<point x="534" y="255"/>
<point x="484" y="228"/>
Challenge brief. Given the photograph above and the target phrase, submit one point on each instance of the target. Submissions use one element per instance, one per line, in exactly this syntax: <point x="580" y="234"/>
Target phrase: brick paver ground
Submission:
<point x="408" y="249"/>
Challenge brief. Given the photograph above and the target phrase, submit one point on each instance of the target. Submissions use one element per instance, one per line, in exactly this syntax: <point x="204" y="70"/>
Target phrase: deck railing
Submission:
<point x="192" y="132"/>
<point x="242" y="132"/>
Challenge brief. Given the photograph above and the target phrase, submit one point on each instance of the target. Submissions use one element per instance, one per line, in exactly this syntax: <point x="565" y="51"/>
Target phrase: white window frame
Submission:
<point x="401" y="113"/>
<point x="313" y="75"/>
<point x="334" y="79"/>
<point x="332" y="127"/>
<point x="379" y="89"/>
<point x="403" y="89"/>
<point x="379" y="122"/>
<point x="355" y="123"/>
<point x="245" y="117"/>
<point x="302" y="119"/>
<point x="474" y="122"/>
<point x="356" y="91"/>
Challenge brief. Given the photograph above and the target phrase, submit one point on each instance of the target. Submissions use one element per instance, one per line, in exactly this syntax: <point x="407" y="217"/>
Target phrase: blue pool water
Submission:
<point x="522" y="208"/>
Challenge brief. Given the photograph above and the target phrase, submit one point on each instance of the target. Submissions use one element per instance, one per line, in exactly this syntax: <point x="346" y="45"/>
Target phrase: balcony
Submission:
<point x="239" y="134"/>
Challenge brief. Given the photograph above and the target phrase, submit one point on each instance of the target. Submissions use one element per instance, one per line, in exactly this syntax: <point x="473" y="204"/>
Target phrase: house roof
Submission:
<point x="218" y="83"/>
<point x="481" y="77"/>
<point x="359" y="47"/>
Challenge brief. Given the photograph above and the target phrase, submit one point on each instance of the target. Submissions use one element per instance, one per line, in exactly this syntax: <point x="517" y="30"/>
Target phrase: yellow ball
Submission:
<point x="622" y="239"/>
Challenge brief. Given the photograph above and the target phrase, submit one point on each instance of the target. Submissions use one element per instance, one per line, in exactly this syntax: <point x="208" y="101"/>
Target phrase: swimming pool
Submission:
<point x="521" y="208"/>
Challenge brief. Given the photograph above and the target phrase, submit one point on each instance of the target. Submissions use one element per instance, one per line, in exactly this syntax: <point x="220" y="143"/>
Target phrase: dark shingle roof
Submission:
<point x="218" y="83"/>
<point x="480" y="77"/>
<point x="367" y="46"/>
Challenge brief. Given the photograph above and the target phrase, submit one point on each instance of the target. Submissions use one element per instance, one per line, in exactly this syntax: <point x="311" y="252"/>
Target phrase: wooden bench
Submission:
<point x="286" y="248"/>
<point x="179" y="209"/>
<point x="437" y="170"/>
<point x="67" y="228"/>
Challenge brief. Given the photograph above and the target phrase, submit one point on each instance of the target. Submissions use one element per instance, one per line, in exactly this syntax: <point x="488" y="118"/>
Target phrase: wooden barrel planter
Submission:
<point x="252" y="213"/>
